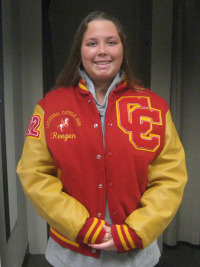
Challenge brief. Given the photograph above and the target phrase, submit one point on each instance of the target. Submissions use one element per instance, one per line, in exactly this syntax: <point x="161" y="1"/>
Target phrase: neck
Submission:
<point x="101" y="88"/>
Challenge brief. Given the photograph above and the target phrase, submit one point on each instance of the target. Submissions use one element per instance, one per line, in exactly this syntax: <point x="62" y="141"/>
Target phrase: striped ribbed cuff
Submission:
<point x="92" y="231"/>
<point x="125" y="238"/>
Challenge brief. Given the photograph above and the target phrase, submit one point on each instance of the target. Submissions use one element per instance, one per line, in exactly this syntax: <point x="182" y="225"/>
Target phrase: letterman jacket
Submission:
<point x="68" y="173"/>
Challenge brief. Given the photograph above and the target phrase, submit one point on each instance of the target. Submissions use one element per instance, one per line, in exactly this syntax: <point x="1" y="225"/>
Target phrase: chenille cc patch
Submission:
<point x="136" y="117"/>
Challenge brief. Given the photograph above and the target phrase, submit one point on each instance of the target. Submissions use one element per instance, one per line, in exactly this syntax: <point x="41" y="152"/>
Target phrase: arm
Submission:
<point x="167" y="177"/>
<point x="45" y="191"/>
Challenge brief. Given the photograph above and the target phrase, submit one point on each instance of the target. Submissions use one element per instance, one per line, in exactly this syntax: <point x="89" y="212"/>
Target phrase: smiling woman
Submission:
<point x="108" y="173"/>
<point x="116" y="37"/>
<point x="101" y="54"/>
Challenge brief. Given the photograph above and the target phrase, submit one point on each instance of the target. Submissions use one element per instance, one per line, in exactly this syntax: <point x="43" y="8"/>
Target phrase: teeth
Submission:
<point x="102" y="63"/>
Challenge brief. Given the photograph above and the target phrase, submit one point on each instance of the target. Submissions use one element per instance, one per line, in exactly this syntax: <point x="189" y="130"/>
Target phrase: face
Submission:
<point x="101" y="50"/>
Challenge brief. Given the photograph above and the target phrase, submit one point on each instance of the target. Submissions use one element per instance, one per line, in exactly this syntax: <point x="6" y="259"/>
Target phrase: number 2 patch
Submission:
<point x="136" y="117"/>
<point x="34" y="127"/>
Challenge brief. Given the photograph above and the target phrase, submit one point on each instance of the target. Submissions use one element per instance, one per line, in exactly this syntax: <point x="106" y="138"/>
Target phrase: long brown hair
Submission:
<point x="70" y="74"/>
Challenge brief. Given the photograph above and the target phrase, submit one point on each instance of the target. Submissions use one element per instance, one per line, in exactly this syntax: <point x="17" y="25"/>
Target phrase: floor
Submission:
<point x="183" y="255"/>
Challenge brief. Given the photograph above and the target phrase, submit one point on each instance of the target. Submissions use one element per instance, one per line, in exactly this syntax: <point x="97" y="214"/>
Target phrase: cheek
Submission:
<point x="121" y="53"/>
<point x="82" y="55"/>
<point x="118" y="54"/>
<point x="86" y="55"/>
<point x="84" y="62"/>
<point x="119" y="57"/>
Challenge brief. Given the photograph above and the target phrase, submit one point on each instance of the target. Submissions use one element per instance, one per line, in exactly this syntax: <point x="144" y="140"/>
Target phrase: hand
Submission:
<point x="108" y="245"/>
<point x="107" y="242"/>
<point x="108" y="234"/>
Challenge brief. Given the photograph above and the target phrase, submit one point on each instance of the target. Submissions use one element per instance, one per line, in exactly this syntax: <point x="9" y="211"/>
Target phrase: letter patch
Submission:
<point x="136" y="117"/>
<point x="34" y="127"/>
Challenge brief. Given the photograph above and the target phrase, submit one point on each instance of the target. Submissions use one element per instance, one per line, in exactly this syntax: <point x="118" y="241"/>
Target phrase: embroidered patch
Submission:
<point x="63" y="124"/>
<point x="63" y="121"/>
<point x="66" y="114"/>
<point x="136" y="117"/>
<point x="65" y="137"/>
<point x="33" y="130"/>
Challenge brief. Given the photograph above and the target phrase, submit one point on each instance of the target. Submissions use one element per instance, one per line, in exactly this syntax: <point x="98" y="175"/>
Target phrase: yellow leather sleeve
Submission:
<point x="45" y="191"/>
<point x="167" y="177"/>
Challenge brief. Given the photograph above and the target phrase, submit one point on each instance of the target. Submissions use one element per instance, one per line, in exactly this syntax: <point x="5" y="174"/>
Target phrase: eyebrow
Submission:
<point x="107" y="38"/>
<point x="91" y="39"/>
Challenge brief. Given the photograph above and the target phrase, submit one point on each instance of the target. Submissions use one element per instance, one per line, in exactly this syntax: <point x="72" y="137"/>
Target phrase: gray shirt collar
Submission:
<point x="89" y="84"/>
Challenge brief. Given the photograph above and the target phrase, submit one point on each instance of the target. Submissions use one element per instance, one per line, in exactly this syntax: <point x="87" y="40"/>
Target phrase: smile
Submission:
<point x="102" y="62"/>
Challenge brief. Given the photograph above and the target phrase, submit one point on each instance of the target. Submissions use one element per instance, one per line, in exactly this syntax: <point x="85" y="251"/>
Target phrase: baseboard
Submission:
<point x="26" y="257"/>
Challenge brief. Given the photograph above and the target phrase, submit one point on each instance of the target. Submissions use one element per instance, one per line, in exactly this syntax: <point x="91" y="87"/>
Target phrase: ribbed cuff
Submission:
<point x="125" y="238"/>
<point x="92" y="231"/>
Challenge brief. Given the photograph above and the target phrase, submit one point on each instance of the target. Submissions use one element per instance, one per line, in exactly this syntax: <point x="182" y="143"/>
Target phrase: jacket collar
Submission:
<point x="120" y="81"/>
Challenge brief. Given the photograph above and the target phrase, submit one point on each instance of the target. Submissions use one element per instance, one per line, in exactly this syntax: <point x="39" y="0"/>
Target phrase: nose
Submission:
<point x="102" y="49"/>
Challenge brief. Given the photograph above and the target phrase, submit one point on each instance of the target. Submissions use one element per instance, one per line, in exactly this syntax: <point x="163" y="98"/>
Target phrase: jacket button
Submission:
<point x="93" y="250"/>
<point x="89" y="100"/>
<point x="110" y="124"/>
<point x="110" y="184"/>
<point x="98" y="156"/>
<point x="99" y="215"/>
<point x="96" y="125"/>
<point x="109" y="154"/>
<point x="100" y="186"/>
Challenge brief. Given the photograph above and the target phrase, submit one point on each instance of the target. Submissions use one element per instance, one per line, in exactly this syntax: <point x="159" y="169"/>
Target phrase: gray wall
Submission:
<point x="23" y="87"/>
<point x="13" y="249"/>
<point x="161" y="48"/>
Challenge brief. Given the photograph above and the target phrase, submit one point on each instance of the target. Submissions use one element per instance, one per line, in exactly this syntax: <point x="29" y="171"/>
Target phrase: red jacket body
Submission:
<point x="116" y="170"/>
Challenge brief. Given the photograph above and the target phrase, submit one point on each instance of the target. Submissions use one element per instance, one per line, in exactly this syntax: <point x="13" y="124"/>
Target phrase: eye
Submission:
<point x="111" y="43"/>
<point x="91" y="44"/>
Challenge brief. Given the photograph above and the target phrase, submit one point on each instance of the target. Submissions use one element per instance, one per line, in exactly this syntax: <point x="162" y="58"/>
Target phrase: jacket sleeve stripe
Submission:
<point x="55" y="233"/>
<point x="90" y="230"/>
<point x="125" y="238"/>
<point x="129" y="237"/>
<point x="97" y="233"/>
<point x="121" y="238"/>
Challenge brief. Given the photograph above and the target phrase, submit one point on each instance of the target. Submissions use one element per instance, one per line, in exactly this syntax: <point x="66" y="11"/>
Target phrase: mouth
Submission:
<point x="102" y="62"/>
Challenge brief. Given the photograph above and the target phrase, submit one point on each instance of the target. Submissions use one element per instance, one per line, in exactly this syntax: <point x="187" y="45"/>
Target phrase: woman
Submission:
<point x="102" y="162"/>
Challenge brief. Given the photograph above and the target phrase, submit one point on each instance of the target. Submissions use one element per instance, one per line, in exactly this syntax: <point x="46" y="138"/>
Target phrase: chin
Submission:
<point x="105" y="77"/>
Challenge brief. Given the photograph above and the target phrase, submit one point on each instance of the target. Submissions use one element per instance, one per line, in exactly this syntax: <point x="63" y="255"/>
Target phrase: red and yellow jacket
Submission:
<point x="67" y="172"/>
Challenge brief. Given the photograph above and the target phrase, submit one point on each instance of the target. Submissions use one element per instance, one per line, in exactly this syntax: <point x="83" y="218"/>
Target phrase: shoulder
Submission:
<point x="55" y="95"/>
<point x="59" y="92"/>
<point x="154" y="98"/>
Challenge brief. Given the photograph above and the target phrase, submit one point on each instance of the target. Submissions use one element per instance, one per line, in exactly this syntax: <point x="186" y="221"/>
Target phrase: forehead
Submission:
<point x="98" y="28"/>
